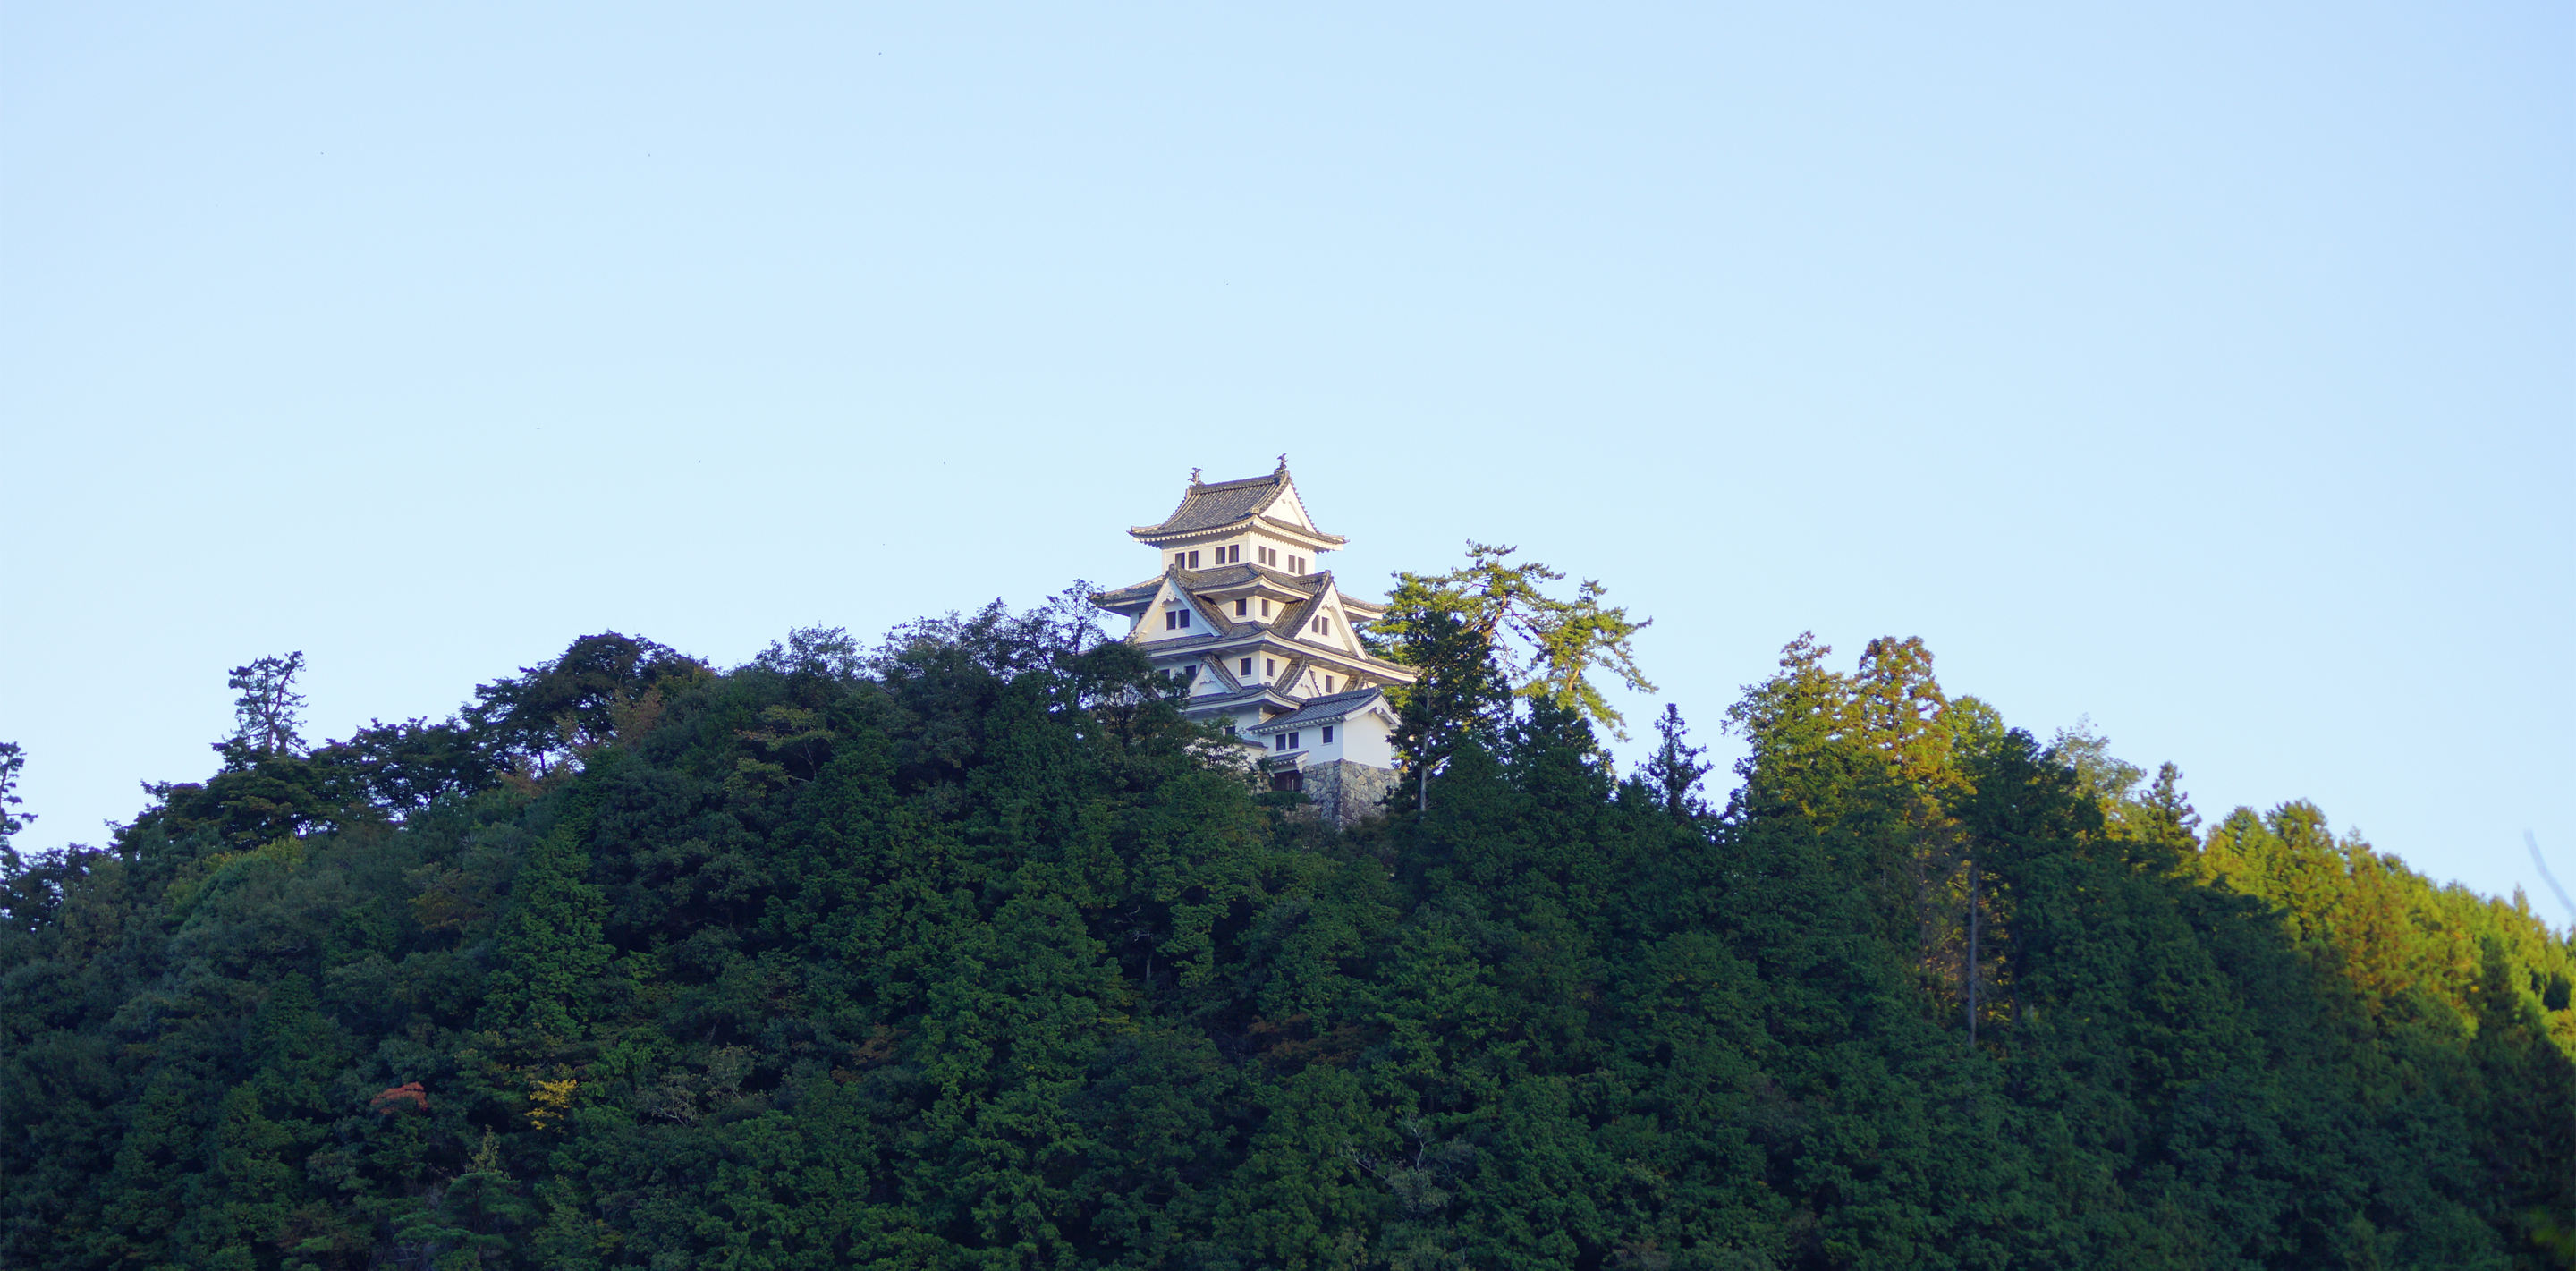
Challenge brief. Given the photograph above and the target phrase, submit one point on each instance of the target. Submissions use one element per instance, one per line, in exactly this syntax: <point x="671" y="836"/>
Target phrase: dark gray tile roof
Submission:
<point x="1220" y="576"/>
<point x="1141" y="591"/>
<point x="1216" y="503"/>
<point x="1237" y="575"/>
<point x="1321" y="710"/>
<point x="1209" y="504"/>
<point x="1294" y="621"/>
<point x="1294" y="528"/>
<point x="1212" y="611"/>
<point x="1218" y="703"/>
<point x="1177" y="643"/>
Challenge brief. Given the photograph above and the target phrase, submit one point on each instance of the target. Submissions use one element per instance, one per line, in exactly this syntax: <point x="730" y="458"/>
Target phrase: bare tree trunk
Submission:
<point x="1971" y="977"/>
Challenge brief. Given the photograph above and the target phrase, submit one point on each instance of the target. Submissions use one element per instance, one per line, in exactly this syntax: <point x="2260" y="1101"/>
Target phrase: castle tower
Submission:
<point x="1244" y="612"/>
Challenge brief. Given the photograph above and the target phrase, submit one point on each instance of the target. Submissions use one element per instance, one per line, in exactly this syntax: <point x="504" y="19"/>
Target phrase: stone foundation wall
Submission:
<point x="1343" y="792"/>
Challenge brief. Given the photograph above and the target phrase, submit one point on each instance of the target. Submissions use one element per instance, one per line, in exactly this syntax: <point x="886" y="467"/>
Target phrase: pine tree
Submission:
<point x="549" y="945"/>
<point x="1674" y="770"/>
<point x="268" y="716"/>
<point x="12" y="762"/>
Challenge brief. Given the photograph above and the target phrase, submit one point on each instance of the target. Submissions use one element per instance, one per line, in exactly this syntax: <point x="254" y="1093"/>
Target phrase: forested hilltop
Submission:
<point x="969" y="951"/>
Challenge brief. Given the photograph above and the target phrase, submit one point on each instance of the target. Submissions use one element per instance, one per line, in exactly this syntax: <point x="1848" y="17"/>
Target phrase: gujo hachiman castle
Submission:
<point x="1243" y="612"/>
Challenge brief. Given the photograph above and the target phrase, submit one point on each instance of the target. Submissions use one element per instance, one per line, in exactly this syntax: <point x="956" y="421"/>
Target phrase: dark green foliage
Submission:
<point x="564" y="707"/>
<point x="969" y="953"/>
<point x="268" y="717"/>
<point x="1674" y="769"/>
<point x="13" y="761"/>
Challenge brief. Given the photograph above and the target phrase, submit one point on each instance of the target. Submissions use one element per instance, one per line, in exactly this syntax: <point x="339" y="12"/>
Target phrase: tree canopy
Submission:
<point x="969" y="951"/>
<point x="1489" y="627"/>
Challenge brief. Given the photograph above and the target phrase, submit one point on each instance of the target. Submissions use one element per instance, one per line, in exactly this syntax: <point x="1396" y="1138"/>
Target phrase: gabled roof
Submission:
<point x="1281" y="631"/>
<point x="1208" y="505"/>
<point x="1331" y="709"/>
<point x="1267" y="696"/>
<point x="1133" y="601"/>
<point x="1130" y="600"/>
<point x="1145" y="590"/>
<point x="1293" y="622"/>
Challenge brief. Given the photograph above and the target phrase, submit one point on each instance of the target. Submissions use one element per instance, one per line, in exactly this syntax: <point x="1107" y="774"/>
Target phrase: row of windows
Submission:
<point x="1289" y="741"/>
<point x="1232" y="554"/>
<point x="1175" y="619"/>
<point x="1243" y="609"/>
<point x="1270" y="667"/>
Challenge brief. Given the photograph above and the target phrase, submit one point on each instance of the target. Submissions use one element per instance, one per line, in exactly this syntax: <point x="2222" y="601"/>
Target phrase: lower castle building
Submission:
<point x="1245" y="614"/>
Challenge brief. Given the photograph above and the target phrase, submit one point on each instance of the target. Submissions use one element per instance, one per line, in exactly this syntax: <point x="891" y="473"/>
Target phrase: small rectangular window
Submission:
<point x="1242" y="607"/>
<point x="1328" y="687"/>
<point x="1328" y="734"/>
<point x="1247" y="666"/>
<point x="1180" y="560"/>
<point x="1194" y="560"/>
<point x="1324" y="626"/>
<point x="1269" y="666"/>
<point x="1265" y="607"/>
<point x="1185" y="617"/>
<point x="1292" y="741"/>
<point x="1296" y="564"/>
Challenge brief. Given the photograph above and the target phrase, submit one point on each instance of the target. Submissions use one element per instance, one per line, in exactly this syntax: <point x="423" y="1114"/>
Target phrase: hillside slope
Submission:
<point x="966" y="955"/>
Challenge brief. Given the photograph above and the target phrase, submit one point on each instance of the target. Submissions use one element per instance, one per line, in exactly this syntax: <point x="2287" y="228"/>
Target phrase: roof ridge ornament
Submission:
<point x="1283" y="463"/>
<point x="1194" y="477"/>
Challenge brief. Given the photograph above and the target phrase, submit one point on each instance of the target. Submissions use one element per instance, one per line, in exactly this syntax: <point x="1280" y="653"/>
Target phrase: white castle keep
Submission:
<point x="1245" y="614"/>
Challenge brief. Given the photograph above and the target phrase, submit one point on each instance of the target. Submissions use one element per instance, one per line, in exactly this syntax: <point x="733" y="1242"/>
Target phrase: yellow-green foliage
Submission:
<point x="968" y="955"/>
<point x="216" y="869"/>
<point x="2408" y="950"/>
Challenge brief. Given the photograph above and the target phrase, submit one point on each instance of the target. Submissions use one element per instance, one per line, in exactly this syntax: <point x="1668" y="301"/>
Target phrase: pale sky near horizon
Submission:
<point x="2201" y="368"/>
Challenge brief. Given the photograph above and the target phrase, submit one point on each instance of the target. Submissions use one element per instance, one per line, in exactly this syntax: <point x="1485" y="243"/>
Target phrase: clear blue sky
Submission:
<point x="2203" y="368"/>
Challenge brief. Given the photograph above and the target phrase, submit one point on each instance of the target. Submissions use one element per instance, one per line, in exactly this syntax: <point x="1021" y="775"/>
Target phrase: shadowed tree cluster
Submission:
<point x="969" y="951"/>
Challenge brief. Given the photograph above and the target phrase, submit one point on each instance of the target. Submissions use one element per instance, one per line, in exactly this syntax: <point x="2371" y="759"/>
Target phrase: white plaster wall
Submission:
<point x="1288" y="507"/>
<point x="1171" y="600"/>
<point x="1305" y="735"/>
<point x="1366" y="739"/>
<point x="1339" y="639"/>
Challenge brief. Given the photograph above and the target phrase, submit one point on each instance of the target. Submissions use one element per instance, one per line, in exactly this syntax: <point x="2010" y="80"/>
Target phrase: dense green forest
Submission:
<point x="968" y="951"/>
